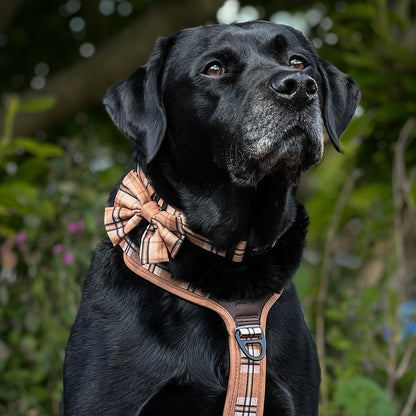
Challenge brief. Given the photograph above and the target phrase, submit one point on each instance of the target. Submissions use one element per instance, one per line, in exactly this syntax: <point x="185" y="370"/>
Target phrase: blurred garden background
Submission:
<point x="60" y="156"/>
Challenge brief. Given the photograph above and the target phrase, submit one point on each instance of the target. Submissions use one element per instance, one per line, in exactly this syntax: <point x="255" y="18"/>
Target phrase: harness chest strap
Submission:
<point x="245" y="322"/>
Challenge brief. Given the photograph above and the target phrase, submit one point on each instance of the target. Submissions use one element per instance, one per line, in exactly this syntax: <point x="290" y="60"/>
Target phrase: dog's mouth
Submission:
<point x="289" y="154"/>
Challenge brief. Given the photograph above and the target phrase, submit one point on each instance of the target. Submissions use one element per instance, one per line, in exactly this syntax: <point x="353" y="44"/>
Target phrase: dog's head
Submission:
<point x="247" y="99"/>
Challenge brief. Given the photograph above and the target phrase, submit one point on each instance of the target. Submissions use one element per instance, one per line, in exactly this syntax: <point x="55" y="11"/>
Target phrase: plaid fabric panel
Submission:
<point x="240" y="251"/>
<point x="250" y="377"/>
<point x="251" y="332"/>
<point x="249" y="366"/>
<point x="163" y="236"/>
<point x="125" y="215"/>
<point x="198" y="240"/>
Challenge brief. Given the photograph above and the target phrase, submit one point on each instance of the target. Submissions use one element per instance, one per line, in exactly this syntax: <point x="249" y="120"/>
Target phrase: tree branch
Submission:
<point x="8" y="10"/>
<point x="327" y="264"/>
<point x="85" y="82"/>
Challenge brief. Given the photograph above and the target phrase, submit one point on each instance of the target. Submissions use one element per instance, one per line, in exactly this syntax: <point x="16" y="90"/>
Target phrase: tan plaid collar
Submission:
<point x="136" y="201"/>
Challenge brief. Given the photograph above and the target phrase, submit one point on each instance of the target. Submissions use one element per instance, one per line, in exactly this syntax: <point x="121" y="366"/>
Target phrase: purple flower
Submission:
<point x="21" y="237"/>
<point x="387" y="332"/>
<point x="75" y="227"/>
<point x="68" y="257"/>
<point x="58" y="249"/>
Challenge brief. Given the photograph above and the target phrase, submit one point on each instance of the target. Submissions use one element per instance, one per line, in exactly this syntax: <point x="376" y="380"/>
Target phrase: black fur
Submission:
<point x="229" y="151"/>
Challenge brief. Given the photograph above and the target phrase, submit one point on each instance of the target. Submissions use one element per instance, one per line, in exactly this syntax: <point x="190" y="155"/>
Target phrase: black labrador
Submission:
<point x="224" y="120"/>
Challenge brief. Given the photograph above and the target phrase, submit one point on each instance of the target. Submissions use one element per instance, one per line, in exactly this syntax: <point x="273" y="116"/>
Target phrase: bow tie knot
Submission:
<point x="149" y="210"/>
<point x="133" y="203"/>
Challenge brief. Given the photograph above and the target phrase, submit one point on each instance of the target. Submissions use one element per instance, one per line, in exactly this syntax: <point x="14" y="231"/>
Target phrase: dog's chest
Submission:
<point x="196" y="343"/>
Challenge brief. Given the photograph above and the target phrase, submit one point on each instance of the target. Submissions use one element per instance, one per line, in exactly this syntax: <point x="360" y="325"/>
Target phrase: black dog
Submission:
<point x="224" y="120"/>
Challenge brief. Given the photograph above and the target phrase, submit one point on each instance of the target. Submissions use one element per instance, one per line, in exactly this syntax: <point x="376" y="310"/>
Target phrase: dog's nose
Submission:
<point x="297" y="87"/>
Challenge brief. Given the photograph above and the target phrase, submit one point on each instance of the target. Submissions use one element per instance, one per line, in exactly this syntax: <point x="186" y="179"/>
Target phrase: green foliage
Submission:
<point x="49" y="226"/>
<point x="355" y="240"/>
<point x="360" y="396"/>
<point x="36" y="104"/>
<point x="21" y="165"/>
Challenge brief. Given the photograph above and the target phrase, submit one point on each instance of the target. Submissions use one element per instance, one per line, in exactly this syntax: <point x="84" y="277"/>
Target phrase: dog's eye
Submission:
<point x="297" y="63"/>
<point x="214" y="69"/>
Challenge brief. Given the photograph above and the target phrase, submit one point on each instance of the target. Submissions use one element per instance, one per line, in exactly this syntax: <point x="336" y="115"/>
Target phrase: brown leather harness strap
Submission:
<point x="247" y="346"/>
<point x="246" y="325"/>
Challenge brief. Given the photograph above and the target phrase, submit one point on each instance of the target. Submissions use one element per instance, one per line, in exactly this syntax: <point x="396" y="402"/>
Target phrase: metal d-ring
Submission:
<point x="244" y="342"/>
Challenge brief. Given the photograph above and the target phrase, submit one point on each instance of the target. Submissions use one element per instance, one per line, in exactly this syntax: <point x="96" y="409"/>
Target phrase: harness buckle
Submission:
<point x="247" y="335"/>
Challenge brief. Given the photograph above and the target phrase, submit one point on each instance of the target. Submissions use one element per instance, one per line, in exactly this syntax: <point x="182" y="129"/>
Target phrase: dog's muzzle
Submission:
<point x="282" y="130"/>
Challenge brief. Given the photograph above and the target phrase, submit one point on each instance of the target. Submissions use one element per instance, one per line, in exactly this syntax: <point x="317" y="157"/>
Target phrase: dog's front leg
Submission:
<point x="99" y="386"/>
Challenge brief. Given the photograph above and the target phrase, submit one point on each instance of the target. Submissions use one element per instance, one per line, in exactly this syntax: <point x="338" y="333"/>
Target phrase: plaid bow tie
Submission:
<point x="163" y="237"/>
<point x="133" y="203"/>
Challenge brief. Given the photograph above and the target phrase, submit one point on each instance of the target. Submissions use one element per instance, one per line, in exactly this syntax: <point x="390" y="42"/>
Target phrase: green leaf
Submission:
<point x="37" y="104"/>
<point x="31" y="170"/>
<point x="336" y="338"/>
<point x="335" y="314"/>
<point x="6" y="231"/>
<point x="360" y="11"/>
<point x="39" y="149"/>
<point x="365" y="62"/>
<point x="302" y="280"/>
<point x="12" y="106"/>
<point x="363" y="198"/>
<point x="19" y="197"/>
<point x="360" y="396"/>
<point x="37" y="394"/>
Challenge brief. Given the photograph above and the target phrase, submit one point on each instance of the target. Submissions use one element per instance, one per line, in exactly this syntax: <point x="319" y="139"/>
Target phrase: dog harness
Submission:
<point x="245" y="320"/>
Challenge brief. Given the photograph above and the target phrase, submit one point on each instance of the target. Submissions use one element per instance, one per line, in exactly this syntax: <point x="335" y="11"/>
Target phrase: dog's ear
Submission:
<point x="135" y="105"/>
<point x="340" y="95"/>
